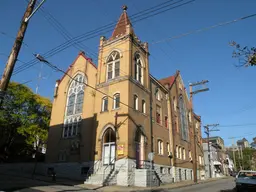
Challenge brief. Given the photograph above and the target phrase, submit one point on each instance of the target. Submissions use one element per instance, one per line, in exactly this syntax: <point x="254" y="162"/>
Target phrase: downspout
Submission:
<point x="171" y="143"/>
<point x="151" y="115"/>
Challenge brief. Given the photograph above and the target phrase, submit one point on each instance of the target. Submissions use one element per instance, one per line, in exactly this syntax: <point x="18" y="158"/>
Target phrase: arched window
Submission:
<point x="183" y="119"/>
<point x="160" y="147"/>
<point x="180" y="153"/>
<point x="174" y="103"/>
<point x="116" y="101"/>
<point x="138" y="69"/>
<point x="74" y="106"/>
<point x="104" y="106"/>
<point x="113" y="65"/>
<point x="143" y="106"/>
<point x="184" y="154"/>
<point x="135" y="102"/>
<point x="177" y="151"/>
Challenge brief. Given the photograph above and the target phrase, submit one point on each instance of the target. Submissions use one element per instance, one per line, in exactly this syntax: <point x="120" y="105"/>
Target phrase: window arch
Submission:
<point x="160" y="147"/>
<point x="74" y="107"/>
<point x="138" y="68"/>
<point x="135" y="102"/>
<point x="180" y="153"/>
<point x="104" y="106"/>
<point x="116" y="101"/>
<point x="183" y="119"/>
<point x="143" y="103"/>
<point x="113" y="65"/>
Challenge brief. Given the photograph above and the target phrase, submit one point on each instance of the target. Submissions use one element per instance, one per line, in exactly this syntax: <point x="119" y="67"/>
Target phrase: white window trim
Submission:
<point x="143" y="106"/>
<point x="180" y="153"/>
<point x="177" y="151"/>
<point x="114" y="100"/>
<point x="113" y="65"/>
<point x="160" y="147"/>
<point x="184" y="154"/>
<point x="136" y="101"/>
<point x="103" y="100"/>
<point x="68" y="89"/>
<point x="139" y="68"/>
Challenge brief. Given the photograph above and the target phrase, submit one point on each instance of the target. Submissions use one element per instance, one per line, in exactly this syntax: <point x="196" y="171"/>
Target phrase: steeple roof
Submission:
<point x="121" y="26"/>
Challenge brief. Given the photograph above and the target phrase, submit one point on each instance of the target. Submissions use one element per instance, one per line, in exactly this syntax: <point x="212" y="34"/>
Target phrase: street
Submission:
<point x="12" y="183"/>
<point x="223" y="185"/>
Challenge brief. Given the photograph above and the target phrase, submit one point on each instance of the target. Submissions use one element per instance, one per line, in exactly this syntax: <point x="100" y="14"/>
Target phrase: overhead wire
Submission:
<point x="86" y="84"/>
<point x="60" y="28"/>
<point x="206" y="28"/>
<point x="95" y="33"/>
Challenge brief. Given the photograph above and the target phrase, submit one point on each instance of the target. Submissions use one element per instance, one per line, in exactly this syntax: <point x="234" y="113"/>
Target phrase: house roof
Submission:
<point x="198" y="117"/>
<point x="169" y="80"/>
<point x="121" y="26"/>
<point x="80" y="54"/>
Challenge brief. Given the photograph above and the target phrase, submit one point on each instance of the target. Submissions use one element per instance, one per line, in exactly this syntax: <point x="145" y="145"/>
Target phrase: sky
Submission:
<point x="200" y="56"/>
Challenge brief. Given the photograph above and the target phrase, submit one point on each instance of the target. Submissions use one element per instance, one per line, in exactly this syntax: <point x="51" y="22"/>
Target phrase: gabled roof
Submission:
<point x="198" y="117"/>
<point x="169" y="80"/>
<point x="81" y="54"/>
<point x="123" y="21"/>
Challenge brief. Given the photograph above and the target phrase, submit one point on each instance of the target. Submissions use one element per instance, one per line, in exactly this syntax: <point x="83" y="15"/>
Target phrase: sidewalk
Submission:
<point x="47" y="179"/>
<point x="145" y="189"/>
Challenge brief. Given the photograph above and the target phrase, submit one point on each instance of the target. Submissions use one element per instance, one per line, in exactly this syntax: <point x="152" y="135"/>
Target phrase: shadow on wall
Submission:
<point x="77" y="148"/>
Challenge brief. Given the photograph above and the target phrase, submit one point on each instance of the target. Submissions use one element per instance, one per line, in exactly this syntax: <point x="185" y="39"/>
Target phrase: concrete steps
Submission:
<point x="104" y="176"/>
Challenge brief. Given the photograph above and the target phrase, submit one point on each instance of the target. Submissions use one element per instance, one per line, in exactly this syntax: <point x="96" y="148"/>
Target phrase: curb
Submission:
<point x="175" y="187"/>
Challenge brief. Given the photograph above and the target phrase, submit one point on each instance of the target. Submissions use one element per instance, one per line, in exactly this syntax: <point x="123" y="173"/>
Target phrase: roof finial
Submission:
<point x="124" y="7"/>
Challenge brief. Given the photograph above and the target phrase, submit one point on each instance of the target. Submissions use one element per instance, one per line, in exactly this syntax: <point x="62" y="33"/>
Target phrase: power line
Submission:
<point x="238" y="125"/>
<point x="100" y="31"/>
<point x="60" y="28"/>
<point x="11" y="37"/>
<point x="206" y="28"/>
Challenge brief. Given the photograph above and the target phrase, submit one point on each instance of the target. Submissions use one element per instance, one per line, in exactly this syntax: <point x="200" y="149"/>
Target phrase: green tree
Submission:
<point x="245" y="159"/>
<point x="25" y="115"/>
<point x="245" y="55"/>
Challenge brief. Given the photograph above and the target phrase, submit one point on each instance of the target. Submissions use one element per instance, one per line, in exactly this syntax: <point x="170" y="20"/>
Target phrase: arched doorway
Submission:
<point x="139" y="149"/>
<point x="109" y="146"/>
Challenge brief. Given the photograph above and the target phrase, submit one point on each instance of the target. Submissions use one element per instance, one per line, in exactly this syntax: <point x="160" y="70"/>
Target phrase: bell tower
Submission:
<point x="119" y="54"/>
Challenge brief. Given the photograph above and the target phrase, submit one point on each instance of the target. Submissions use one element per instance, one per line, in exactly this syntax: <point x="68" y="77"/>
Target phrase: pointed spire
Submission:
<point x="121" y="26"/>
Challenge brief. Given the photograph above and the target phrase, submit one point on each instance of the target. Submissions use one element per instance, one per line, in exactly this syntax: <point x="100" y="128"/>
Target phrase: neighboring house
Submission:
<point x="243" y="143"/>
<point x="215" y="162"/>
<point x="108" y="133"/>
<point x="217" y="140"/>
<point x="229" y="164"/>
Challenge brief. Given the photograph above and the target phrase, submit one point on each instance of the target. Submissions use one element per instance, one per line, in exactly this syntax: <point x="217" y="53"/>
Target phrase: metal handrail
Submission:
<point x="91" y="169"/>
<point x="114" y="159"/>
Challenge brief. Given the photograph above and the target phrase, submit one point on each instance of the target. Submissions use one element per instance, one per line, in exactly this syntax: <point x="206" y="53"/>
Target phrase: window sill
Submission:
<point x="103" y="111"/>
<point x="114" y="109"/>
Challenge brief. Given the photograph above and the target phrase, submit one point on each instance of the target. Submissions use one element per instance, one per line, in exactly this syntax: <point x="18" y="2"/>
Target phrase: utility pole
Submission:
<point x="242" y="157"/>
<point x="191" y="85"/>
<point x="234" y="157"/>
<point x="207" y="132"/>
<point x="17" y="45"/>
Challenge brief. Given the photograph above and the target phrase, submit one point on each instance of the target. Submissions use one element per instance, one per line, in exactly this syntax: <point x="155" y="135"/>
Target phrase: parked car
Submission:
<point x="246" y="181"/>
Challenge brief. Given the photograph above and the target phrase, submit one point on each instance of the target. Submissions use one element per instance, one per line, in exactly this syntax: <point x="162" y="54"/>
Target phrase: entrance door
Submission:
<point x="109" y="147"/>
<point x="109" y="153"/>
